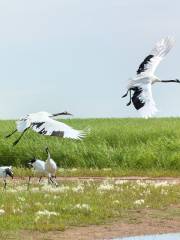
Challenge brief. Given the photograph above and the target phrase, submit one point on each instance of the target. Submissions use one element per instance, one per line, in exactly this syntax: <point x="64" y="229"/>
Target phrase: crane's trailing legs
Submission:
<point x="11" y="134"/>
<point x="125" y="95"/>
<point x="16" y="142"/>
<point x="8" y="172"/>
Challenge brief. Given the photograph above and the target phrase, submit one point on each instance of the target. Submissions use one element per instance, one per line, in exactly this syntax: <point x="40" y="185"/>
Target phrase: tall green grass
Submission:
<point x="125" y="143"/>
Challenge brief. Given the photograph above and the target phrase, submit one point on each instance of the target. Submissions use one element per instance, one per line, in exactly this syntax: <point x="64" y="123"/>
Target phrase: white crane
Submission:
<point x="141" y="85"/>
<point x="4" y="172"/>
<point x="39" y="168"/>
<point x="43" y="123"/>
<point x="50" y="168"/>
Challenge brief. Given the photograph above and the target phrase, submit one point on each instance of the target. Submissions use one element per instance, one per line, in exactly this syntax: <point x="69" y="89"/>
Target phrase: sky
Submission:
<point x="77" y="55"/>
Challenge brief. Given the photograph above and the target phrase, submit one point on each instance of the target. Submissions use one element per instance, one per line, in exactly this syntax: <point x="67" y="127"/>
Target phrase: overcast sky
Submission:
<point x="77" y="55"/>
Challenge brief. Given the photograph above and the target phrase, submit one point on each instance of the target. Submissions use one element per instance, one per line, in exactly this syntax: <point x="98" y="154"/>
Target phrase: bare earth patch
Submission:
<point x="135" y="223"/>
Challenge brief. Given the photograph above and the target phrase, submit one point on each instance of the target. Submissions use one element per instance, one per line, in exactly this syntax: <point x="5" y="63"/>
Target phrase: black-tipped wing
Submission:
<point x="51" y="127"/>
<point x="145" y="64"/>
<point x="150" y="63"/>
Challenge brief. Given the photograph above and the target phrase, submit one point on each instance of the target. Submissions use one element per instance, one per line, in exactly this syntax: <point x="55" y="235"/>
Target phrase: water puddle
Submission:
<point x="169" y="236"/>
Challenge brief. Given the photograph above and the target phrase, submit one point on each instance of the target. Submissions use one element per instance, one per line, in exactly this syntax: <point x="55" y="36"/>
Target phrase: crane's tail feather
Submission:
<point x="148" y="110"/>
<point x="77" y="134"/>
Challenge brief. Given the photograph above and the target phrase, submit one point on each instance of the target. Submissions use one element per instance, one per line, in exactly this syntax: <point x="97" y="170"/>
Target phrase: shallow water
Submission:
<point x="170" y="236"/>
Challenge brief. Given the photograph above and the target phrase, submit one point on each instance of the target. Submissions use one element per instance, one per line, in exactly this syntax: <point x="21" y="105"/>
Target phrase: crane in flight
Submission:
<point x="142" y="98"/>
<point x="43" y="123"/>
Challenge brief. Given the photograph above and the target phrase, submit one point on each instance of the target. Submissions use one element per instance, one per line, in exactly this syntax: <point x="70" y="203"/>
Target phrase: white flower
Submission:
<point x="163" y="183"/>
<point x="78" y="188"/>
<point x="105" y="186"/>
<point x="107" y="169"/>
<point x="22" y="199"/>
<point x="2" y="211"/>
<point x="164" y="192"/>
<point x="17" y="210"/>
<point x="119" y="182"/>
<point x="139" y="202"/>
<point x="46" y="213"/>
<point x="141" y="183"/>
<point x="82" y="206"/>
<point x="73" y="170"/>
<point x="60" y="189"/>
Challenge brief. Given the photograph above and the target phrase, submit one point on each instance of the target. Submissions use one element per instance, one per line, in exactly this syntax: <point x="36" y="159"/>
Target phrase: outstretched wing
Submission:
<point x="143" y="101"/>
<point x="51" y="127"/>
<point x="150" y="63"/>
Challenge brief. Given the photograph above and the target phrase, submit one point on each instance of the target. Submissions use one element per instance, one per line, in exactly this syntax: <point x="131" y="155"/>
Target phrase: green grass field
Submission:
<point x="129" y="144"/>
<point x="44" y="207"/>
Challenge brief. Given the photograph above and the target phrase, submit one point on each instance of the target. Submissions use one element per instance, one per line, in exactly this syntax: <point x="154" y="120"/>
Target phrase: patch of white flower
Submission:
<point x="106" y="169"/>
<point x="141" y="183"/>
<point x="83" y="206"/>
<point x="164" y="191"/>
<point x="116" y="201"/>
<point x="120" y="182"/>
<point x="21" y="199"/>
<point x="50" y="188"/>
<point x="73" y="170"/>
<point x="162" y="184"/>
<point x="46" y="213"/>
<point x="2" y="211"/>
<point x="105" y="186"/>
<point x="20" y="188"/>
<point x="17" y="210"/>
<point x="78" y="188"/>
<point x="35" y="189"/>
<point x="139" y="202"/>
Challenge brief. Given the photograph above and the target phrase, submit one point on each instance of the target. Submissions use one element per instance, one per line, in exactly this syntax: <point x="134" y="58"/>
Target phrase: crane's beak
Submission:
<point x="62" y="113"/>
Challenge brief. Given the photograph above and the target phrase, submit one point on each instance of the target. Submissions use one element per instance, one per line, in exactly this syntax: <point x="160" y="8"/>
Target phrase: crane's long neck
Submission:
<point x="167" y="81"/>
<point x="49" y="156"/>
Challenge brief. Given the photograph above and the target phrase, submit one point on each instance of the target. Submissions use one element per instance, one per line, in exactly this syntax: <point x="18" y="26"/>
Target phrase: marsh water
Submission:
<point x="169" y="236"/>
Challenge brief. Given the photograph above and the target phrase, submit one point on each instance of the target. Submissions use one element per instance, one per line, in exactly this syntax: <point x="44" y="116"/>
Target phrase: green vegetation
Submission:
<point x="126" y="144"/>
<point x="45" y="207"/>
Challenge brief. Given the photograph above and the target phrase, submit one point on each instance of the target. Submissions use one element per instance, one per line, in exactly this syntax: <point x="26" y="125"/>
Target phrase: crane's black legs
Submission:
<point x="11" y="134"/>
<point x="129" y="103"/>
<point x="125" y="95"/>
<point x="16" y="142"/>
<point x="50" y="180"/>
<point x="5" y="183"/>
<point x="40" y="179"/>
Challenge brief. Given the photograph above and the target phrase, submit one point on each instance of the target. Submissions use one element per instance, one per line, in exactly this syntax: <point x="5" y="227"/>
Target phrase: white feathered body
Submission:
<point x="51" y="167"/>
<point x="39" y="166"/>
